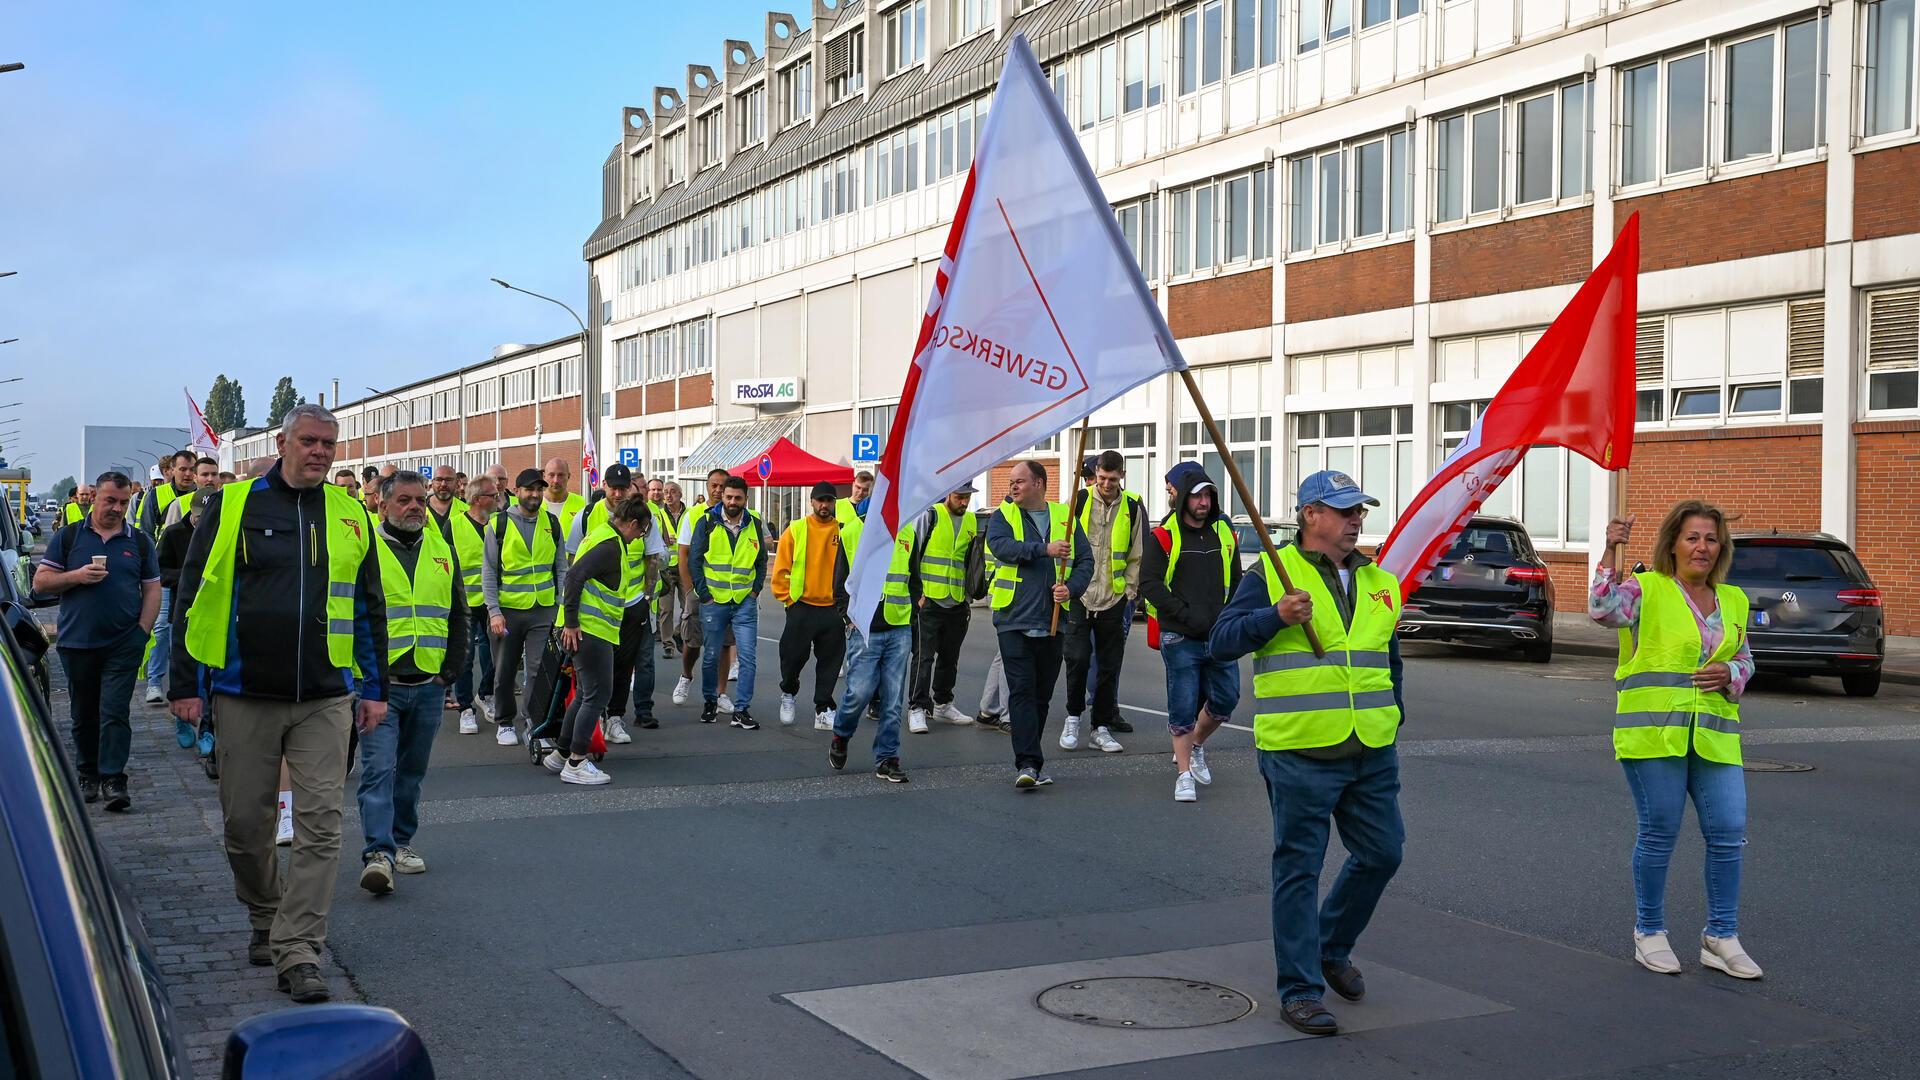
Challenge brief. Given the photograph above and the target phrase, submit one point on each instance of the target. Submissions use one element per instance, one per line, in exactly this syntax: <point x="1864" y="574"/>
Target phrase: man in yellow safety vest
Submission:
<point x="520" y="572"/>
<point x="727" y="563"/>
<point x="1097" y="622"/>
<point x="942" y="538"/>
<point x="469" y="528"/>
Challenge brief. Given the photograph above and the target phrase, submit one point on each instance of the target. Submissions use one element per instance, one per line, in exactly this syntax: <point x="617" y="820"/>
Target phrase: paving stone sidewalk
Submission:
<point x="168" y="848"/>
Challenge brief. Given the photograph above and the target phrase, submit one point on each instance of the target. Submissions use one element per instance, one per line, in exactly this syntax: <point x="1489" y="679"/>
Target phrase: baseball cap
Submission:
<point x="618" y="476"/>
<point x="824" y="490"/>
<point x="530" y="478"/>
<point x="1177" y="474"/>
<point x="966" y="489"/>
<point x="1086" y="466"/>
<point x="1332" y="488"/>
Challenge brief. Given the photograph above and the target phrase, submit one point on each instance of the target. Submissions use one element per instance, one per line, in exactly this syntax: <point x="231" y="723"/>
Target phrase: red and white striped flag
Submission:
<point x="590" y="460"/>
<point x="1038" y="317"/>
<point x="1574" y="388"/>
<point x="200" y="434"/>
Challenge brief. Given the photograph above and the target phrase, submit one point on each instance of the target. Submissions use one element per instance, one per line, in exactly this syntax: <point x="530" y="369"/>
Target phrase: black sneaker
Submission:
<point x="1027" y="779"/>
<point x="890" y="771"/>
<point x="114" y="790"/>
<point x="837" y="752"/>
<point x="745" y="721"/>
<point x="1119" y="725"/>
<point x="647" y="722"/>
<point x="710" y="713"/>
<point x="259" y="950"/>
<point x="90" y="789"/>
<point x="304" y="983"/>
<point x="989" y="722"/>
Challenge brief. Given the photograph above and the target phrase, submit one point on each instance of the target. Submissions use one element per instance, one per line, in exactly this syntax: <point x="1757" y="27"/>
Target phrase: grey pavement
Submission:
<point x="730" y="907"/>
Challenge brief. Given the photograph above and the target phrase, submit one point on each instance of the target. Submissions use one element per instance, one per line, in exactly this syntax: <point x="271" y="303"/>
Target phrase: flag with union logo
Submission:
<point x="1038" y="317"/>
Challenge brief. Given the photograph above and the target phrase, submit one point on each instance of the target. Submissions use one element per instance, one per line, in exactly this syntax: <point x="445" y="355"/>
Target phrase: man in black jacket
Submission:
<point x="1188" y="569"/>
<point x="283" y="638"/>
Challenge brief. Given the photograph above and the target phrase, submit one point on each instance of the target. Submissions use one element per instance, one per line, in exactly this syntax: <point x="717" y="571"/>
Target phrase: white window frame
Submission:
<point x="1390" y="141"/>
<point x="1264" y="46"/>
<point x="1658" y="327"/>
<point x="750" y="116"/>
<point x="1184" y="245"/>
<point x="1865" y="60"/>
<point x="906" y="37"/>
<point x="1190" y="72"/>
<point x="1507" y="111"/>
<point x="696" y="346"/>
<point x="674" y="149"/>
<point x="1890" y="348"/>
<point x="662" y="354"/>
<point x="517" y="388"/>
<point x="1309" y="453"/>
<point x="1247" y="434"/>
<point x="710" y="133"/>
<point x="966" y="18"/>
<point x="1139" y="221"/>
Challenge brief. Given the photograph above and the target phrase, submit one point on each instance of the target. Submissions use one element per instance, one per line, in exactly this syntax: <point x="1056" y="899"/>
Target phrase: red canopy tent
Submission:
<point x="784" y="464"/>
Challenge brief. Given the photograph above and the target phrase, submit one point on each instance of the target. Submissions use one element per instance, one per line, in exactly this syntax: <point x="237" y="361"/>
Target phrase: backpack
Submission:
<point x="1165" y="539"/>
<point x="500" y="529"/>
<point x="977" y="578"/>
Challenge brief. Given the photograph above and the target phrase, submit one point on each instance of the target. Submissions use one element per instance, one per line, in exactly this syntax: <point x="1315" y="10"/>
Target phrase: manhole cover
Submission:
<point x="1759" y="765"/>
<point x="1144" y="1002"/>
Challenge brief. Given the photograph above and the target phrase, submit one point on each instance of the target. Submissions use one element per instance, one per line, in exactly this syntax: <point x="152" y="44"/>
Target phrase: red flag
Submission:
<point x="1575" y="388"/>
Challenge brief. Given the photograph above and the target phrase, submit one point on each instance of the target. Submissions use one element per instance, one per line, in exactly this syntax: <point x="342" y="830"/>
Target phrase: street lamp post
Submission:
<point x="389" y="396"/>
<point x="578" y="321"/>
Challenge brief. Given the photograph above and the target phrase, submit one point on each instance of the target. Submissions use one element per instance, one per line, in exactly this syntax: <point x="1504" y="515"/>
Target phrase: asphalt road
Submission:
<point x="657" y="926"/>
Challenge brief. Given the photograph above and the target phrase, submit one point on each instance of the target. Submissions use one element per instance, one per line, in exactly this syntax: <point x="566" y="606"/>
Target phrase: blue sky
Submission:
<point x="319" y="191"/>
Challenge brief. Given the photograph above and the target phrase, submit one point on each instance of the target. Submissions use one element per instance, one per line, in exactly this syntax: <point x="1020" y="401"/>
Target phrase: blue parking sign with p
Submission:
<point x="866" y="447"/>
<point x="630" y="456"/>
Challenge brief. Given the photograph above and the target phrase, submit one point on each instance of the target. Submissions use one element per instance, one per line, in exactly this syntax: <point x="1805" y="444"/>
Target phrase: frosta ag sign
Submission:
<point x="766" y="391"/>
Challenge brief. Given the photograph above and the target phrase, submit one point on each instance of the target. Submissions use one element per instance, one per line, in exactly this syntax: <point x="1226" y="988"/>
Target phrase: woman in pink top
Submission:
<point x="1677" y="732"/>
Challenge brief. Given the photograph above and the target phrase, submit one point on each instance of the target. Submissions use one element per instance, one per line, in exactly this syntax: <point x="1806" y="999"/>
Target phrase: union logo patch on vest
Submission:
<point x="352" y="524"/>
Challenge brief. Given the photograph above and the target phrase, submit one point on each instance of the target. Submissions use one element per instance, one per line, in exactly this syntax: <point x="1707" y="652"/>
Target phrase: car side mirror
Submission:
<point x="340" y="1042"/>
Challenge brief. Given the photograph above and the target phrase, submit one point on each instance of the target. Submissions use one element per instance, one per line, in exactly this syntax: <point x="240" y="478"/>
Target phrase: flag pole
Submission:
<point x="1618" y="551"/>
<point x="1246" y="497"/>
<point x="1060" y="573"/>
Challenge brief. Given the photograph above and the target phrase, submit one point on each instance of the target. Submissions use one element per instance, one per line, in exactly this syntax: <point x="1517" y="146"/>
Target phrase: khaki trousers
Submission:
<point x="255" y="735"/>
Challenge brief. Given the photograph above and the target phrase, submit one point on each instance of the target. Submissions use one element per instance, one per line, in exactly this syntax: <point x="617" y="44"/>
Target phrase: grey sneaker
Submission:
<point x="408" y="861"/>
<point x="1197" y="764"/>
<point x="377" y="875"/>
<point x="1027" y="779"/>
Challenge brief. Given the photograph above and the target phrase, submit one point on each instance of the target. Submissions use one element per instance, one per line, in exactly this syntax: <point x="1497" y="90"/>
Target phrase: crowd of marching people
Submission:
<point x="297" y="618"/>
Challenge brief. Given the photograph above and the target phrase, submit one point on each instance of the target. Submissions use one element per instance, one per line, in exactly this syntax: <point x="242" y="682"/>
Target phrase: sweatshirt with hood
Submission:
<point x="1195" y="597"/>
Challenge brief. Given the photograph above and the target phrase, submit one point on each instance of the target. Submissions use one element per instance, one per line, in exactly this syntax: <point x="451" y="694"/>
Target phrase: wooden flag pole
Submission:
<point x="1246" y="497"/>
<point x="1617" y="553"/>
<point x="1060" y="573"/>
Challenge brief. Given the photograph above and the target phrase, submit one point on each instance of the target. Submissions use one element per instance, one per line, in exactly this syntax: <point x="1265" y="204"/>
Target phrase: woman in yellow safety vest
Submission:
<point x="1684" y="662"/>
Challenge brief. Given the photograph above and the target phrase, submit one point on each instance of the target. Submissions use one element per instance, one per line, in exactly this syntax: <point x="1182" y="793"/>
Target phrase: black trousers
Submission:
<point x="1033" y="668"/>
<point x="938" y="633"/>
<point x="593" y="681"/>
<point x="822" y="633"/>
<point x="633" y="665"/>
<point x="1101" y="635"/>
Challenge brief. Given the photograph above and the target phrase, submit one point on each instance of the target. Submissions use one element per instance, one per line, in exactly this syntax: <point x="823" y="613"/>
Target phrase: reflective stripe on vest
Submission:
<point x="1657" y="710"/>
<point x="1228" y="550"/>
<point x="1120" y="541"/>
<point x="601" y="608"/>
<point x="943" y="565"/>
<point x="418" y="607"/>
<point x="349" y="531"/>
<point x="526" y="576"/>
<point x="730" y="563"/>
<point x="471" y="547"/>
<point x="1006" y="576"/>
<point x="1302" y="701"/>
<point x="896" y="599"/>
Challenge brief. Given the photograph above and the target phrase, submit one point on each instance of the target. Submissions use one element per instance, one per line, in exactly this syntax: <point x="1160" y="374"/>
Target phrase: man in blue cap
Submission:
<point x="1324" y="727"/>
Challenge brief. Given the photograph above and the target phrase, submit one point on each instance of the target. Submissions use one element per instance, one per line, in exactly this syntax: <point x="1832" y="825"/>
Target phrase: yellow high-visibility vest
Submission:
<point x="1658" y="712"/>
<point x="418" y="607"/>
<point x="1302" y="701"/>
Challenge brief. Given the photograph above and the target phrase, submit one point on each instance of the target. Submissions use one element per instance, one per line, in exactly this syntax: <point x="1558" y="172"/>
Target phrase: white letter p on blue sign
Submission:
<point x="866" y="447"/>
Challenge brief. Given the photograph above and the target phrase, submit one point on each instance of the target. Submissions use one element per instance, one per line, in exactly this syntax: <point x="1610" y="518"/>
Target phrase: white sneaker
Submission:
<point x="408" y="861"/>
<point x="555" y="761"/>
<point x="823" y="720"/>
<point x="733" y="673"/>
<point x="949" y="714"/>
<point x="1724" y="954"/>
<point x="584" y="773"/>
<point x="283" y="835"/>
<point x="1070" y="734"/>
<point x="507" y="736"/>
<point x="154" y="696"/>
<point x="1654" y="954"/>
<point x="1197" y="764"/>
<point x="917" y="721"/>
<point x="617" y="732"/>
<point x="1183" y="789"/>
<point x="1104" y="741"/>
<point x="724" y="703"/>
<point x="681" y="689"/>
<point x="786" y="710"/>
<point x="485" y="704"/>
<point x="469" y="723"/>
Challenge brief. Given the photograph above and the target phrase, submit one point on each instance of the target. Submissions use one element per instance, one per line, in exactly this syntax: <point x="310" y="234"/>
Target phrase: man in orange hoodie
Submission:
<point x="810" y="578"/>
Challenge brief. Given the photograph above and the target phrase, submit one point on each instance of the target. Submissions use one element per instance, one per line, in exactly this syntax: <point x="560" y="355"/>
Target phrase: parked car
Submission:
<point x="85" y="997"/>
<point x="1248" y="538"/>
<point x="1812" y="608"/>
<point x="1490" y="588"/>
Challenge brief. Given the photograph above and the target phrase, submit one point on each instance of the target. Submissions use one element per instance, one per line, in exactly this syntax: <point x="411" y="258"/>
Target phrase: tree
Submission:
<point x="63" y="488"/>
<point x="283" y="401"/>
<point x="226" y="405"/>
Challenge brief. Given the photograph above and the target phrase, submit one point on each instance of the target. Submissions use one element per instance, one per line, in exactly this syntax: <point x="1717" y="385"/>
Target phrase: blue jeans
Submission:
<point x="1195" y="678"/>
<point x="162" y="640"/>
<point x="875" y="665"/>
<point x="1362" y="796"/>
<point x="393" y="761"/>
<point x="481" y="653"/>
<point x="1660" y="788"/>
<point x="99" y="703"/>
<point x="744" y="617"/>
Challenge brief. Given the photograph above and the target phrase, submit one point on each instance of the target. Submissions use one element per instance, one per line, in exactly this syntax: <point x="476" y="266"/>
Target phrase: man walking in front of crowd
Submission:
<point x="877" y="665"/>
<point x="152" y="512"/>
<point x="810" y="578"/>
<point x="521" y="569"/>
<point x="727" y="561"/>
<point x="107" y="575"/>
<point x="943" y="535"/>
<point x="274" y="559"/>
<point x="469" y="528"/>
<point x="1114" y="523"/>
<point x="633" y="663"/>
<point x="1189" y="570"/>
<point x="562" y="503"/>
<point x="426" y="643"/>
<point x="1325" y="729"/>
<point x="691" y="633"/>
<point x="1028" y="538"/>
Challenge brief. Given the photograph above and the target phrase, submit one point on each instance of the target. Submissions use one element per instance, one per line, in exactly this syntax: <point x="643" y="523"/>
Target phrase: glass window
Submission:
<point x="1203" y="226"/>
<point x="1375" y="12"/>
<point x="1262" y="213"/>
<point x="1182" y="231"/>
<point x="1370" y="188"/>
<point x="1450" y="168"/>
<point x="1245" y="23"/>
<point x="1089" y="90"/>
<point x="1189" y="51"/>
<point x="1806" y="396"/>
<point x="1540" y="491"/>
<point x="1330" y="198"/>
<point x="1399" y="166"/>
<point x="1639" y="124"/>
<point x="1109" y="85"/>
<point x="1536" y="149"/>
<point x="1339" y="19"/>
<point x="1238" y="217"/>
<point x="963" y="139"/>
<point x="1757" y="399"/>
<point x="1409" y="7"/>
<point x="1686" y="113"/>
<point x="1691" y="403"/>
<point x="1486" y="161"/>
<point x="1300" y="184"/>
<point x="1210" y="45"/>
<point x="1889" y="76"/>
<point x="1156" y="63"/>
<point x="1750" y="98"/>
<point x="1307" y="36"/>
<point x="1134" y="66"/>
<point x="1574" y="180"/>
<point x="1804" y="99"/>
<point x="1269" y="32"/>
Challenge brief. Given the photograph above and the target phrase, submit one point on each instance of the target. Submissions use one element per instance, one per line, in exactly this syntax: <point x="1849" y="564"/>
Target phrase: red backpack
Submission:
<point x="1165" y="540"/>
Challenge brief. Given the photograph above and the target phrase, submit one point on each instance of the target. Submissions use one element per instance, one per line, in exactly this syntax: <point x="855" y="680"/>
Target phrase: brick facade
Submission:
<point x="1530" y="253"/>
<point x="446" y="433"/>
<point x="1231" y="302"/>
<point x="630" y="401"/>
<point x="1764" y="214"/>
<point x="696" y="391"/>
<point x="659" y="397"/>
<point x="567" y="450"/>
<point x="999" y="481"/>
<point x="1886" y="532"/>
<point x="516" y="423"/>
<point x="1886" y="192"/>
<point x="1374" y="279"/>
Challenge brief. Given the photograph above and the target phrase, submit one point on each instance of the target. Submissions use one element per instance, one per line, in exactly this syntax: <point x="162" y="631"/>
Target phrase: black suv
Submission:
<point x="1490" y="588"/>
<point x="1814" y="610"/>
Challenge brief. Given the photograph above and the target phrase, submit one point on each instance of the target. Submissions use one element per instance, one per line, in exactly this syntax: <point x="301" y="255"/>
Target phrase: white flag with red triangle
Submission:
<point x="1038" y="317"/>
<point x="200" y="434"/>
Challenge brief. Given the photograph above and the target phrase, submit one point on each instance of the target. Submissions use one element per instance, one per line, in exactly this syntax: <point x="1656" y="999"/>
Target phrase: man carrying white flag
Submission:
<point x="1038" y="317"/>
